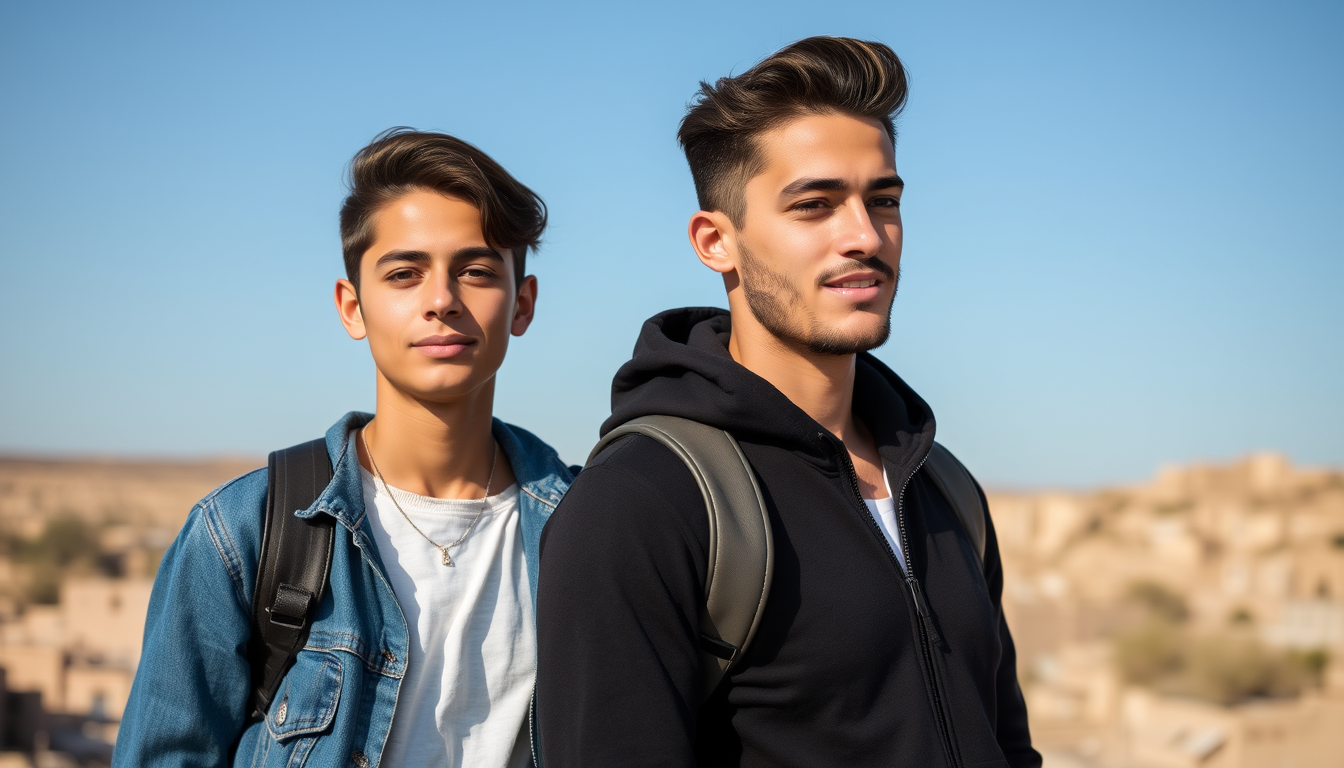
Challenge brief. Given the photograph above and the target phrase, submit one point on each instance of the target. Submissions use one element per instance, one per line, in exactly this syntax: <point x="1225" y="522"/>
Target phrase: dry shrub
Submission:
<point x="1229" y="667"/>
<point x="1154" y="652"/>
<point x="1161" y="602"/>
<point x="1232" y="667"/>
<point x="66" y="546"/>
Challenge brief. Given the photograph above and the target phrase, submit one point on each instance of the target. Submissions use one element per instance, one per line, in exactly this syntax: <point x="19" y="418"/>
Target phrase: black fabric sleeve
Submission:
<point x="618" y="601"/>
<point x="1011" y="728"/>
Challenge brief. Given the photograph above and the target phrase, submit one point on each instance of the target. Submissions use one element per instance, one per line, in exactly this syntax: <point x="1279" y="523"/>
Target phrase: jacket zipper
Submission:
<point x="532" y="725"/>
<point x="926" y="629"/>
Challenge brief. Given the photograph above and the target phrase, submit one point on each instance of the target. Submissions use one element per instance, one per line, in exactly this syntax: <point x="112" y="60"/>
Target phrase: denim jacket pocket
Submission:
<point x="306" y="703"/>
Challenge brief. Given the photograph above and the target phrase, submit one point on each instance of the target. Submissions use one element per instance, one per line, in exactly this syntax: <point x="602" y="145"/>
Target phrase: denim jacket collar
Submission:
<point x="542" y="479"/>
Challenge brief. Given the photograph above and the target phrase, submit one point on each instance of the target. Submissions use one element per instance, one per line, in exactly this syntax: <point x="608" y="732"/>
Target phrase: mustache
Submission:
<point x="872" y="262"/>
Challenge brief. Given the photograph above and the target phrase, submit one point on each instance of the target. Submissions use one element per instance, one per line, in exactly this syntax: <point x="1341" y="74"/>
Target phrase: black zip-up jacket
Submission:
<point x="854" y="663"/>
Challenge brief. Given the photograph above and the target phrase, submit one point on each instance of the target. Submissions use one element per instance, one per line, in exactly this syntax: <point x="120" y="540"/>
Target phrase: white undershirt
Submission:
<point x="884" y="512"/>
<point x="472" y="647"/>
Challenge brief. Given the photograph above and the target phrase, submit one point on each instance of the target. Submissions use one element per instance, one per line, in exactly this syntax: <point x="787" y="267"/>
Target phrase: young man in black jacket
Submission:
<point x="882" y="642"/>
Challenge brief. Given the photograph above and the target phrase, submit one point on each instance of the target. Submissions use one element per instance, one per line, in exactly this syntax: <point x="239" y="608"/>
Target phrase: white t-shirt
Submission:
<point x="472" y="664"/>
<point x="884" y="512"/>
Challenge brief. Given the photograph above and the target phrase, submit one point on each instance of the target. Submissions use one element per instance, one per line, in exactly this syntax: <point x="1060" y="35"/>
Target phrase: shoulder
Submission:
<point x="642" y="464"/>
<point x="226" y="525"/>
<point x="635" y="488"/>
<point x="633" y="519"/>
<point x="239" y="504"/>
<point x="535" y="463"/>
<point x="954" y="480"/>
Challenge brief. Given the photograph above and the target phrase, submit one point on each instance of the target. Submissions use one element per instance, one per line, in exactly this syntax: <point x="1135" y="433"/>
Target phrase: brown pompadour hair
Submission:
<point x="402" y="160"/>
<point x="816" y="75"/>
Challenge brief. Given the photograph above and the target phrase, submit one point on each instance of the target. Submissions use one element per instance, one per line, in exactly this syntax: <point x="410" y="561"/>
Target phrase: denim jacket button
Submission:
<point x="282" y="712"/>
<point x="390" y="657"/>
<point x="360" y="759"/>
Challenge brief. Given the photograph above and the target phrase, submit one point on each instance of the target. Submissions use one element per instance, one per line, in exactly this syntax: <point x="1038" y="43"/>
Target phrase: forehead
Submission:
<point x="825" y="146"/>
<point x="427" y="220"/>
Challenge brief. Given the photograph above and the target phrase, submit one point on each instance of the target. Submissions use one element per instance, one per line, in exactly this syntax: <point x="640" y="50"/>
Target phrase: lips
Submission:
<point x="856" y="286"/>
<point x="442" y="347"/>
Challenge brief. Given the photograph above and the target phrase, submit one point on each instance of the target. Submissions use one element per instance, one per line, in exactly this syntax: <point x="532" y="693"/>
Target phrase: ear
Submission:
<point x="714" y="239"/>
<point x="524" y="306"/>
<point x="347" y="306"/>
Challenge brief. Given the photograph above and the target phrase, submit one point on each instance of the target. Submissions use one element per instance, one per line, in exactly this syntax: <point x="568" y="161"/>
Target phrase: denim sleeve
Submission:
<point x="188" y="703"/>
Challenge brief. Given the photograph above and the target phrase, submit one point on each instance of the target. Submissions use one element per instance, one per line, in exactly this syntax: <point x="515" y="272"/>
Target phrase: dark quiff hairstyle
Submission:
<point x="402" y="160"/>
<point x="817" y="75"/>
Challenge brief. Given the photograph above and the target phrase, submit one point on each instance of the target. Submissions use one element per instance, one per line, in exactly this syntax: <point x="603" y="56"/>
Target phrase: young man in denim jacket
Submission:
<point x="422" y="651"/>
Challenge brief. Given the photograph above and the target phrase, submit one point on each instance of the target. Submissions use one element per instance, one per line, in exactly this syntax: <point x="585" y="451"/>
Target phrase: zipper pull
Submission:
<point x="922" y="608"/>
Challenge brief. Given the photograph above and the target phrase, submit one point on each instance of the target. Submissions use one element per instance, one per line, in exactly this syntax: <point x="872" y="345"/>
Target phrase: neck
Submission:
<point x="444" y="450"/>
<point x="821" y="385"/>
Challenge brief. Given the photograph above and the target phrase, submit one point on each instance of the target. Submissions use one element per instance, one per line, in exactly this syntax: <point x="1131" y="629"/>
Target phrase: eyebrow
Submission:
<point x="420" y="257"/>
<point x="411" y="256"/>
<point x="837" y="185"/>
<point x="477" y="252"/>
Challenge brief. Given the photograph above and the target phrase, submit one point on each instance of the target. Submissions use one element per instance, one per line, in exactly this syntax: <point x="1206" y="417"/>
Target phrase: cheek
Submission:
<point x="492" y="310"/>
<point x="795" y="253"/>
<point x="896" y="234"/>
<point x="386" y="315"/>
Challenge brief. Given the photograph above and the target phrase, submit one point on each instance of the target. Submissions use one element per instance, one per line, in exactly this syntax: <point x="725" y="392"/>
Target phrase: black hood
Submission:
<point x="681" y="367"/>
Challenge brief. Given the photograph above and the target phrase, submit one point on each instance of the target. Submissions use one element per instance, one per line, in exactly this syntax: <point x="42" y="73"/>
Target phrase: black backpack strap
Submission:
<point x="954" y="481"/>
<point x="293" y="567"/>
<point x="741" y="547"/>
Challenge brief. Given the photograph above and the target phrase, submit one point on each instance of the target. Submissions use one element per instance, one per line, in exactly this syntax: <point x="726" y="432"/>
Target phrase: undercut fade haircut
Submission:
<point x="814" y="76"/>
<point x="403" y="160"/>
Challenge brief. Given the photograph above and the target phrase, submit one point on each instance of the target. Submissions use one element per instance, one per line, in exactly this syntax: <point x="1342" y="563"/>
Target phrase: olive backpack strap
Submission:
<point x="740" y="561"/>
<point x="959" y="488"/>
<point x="293" y="568"/>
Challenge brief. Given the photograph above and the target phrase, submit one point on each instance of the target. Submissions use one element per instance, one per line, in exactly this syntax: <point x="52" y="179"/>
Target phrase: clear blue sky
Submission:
<point x="1123" y="223"/>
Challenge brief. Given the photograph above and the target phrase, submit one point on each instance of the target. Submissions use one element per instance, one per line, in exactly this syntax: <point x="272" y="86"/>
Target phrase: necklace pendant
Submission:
<point x="448" y="561"/>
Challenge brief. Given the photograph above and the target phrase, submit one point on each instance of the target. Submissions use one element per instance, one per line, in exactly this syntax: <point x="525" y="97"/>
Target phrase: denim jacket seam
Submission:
<point x="547" y="502"/>
<point x="354" y="648"/>
<point x="340" y="459"/>
<point x="225" y="549"/>
<point x="300" y="755"/>
<point x="210" y="497"/>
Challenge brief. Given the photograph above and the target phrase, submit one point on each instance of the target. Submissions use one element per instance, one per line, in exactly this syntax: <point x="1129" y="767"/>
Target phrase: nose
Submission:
<point x="856" y="236"/>
<point x="441" y="299"/>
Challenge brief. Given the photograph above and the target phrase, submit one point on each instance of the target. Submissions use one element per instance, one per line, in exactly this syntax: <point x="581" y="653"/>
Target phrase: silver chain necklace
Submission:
<point x="443" y="548"/>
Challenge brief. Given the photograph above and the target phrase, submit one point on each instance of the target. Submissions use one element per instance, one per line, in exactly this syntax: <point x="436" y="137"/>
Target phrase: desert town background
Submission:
<point x="1196" y="620"/>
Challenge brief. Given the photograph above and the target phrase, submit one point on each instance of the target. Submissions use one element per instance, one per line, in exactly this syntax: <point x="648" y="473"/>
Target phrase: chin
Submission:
<point x="849" y="337"/>
<point x="441" y="390"/>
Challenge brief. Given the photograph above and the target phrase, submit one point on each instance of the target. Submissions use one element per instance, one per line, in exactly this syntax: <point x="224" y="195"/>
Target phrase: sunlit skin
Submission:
<point x="823" y="210"/>
<point x="437" y="305"/>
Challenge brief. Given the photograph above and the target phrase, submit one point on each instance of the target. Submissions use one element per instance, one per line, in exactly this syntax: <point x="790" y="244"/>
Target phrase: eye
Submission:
<point x="814" y="204"/>
<point x="885" y="201"/>
<point x="401" y="275"/>
<point x="475" y="272"/>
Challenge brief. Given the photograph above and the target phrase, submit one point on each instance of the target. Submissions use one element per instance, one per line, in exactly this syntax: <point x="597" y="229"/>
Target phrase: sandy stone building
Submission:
<point x="81" y="654"/>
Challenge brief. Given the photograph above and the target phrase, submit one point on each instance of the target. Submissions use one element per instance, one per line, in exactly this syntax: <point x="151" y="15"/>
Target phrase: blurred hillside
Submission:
<point x="79" y="544"/>
<point x="145" y="493"/>
<point x="93" y="517"/>
<point x="1197" y="620"/>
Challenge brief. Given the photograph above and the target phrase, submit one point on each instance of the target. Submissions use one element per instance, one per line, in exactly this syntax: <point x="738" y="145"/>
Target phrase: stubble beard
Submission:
<point x="778" y="306"/>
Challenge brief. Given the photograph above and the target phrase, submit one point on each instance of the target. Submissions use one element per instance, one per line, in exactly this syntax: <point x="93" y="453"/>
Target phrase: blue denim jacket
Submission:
<point x="188" y="706"/>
